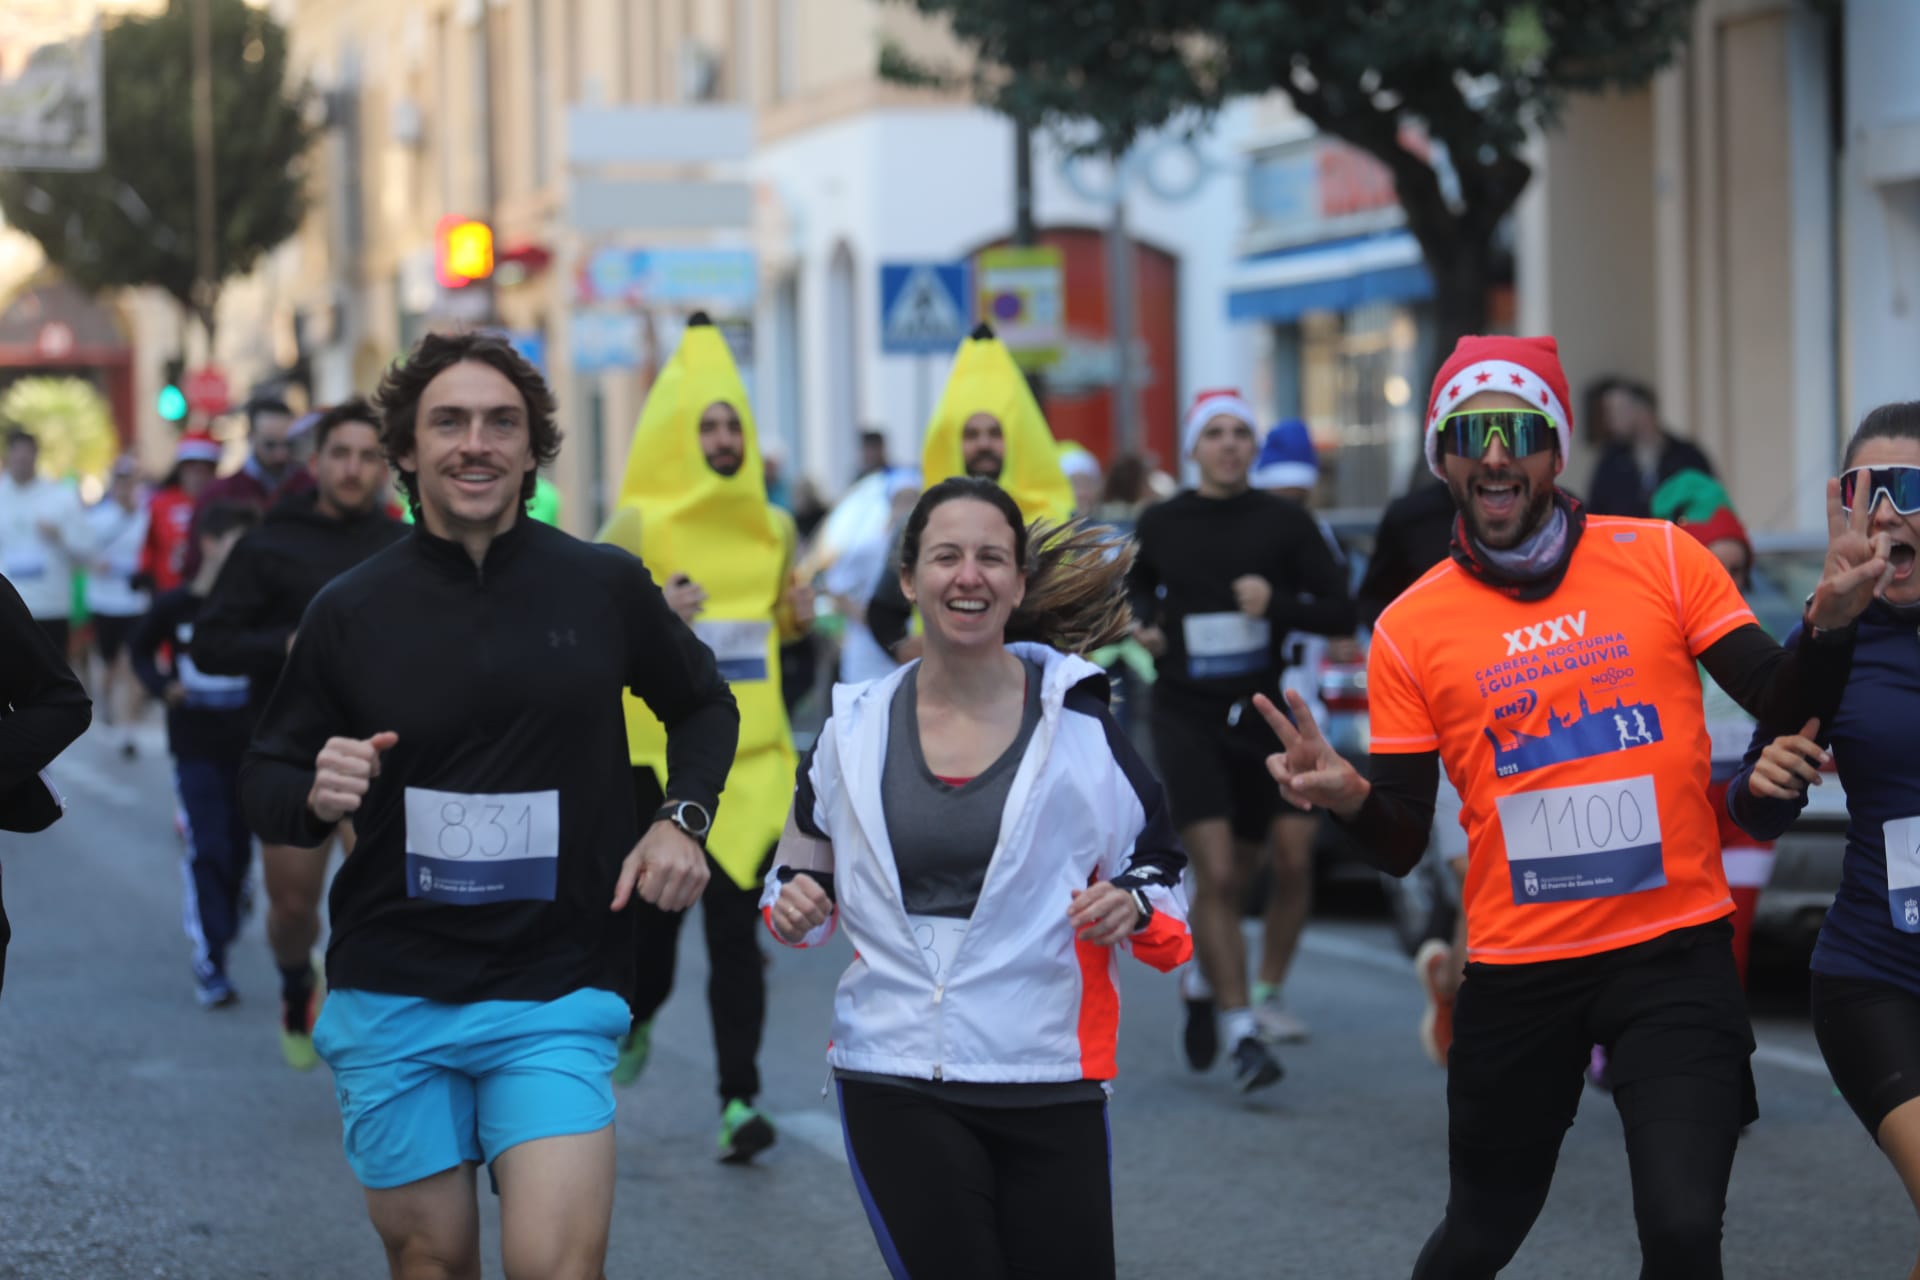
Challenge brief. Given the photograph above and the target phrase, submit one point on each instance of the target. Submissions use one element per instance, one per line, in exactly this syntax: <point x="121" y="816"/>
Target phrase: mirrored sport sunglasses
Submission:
<point x="1524" y="432"/>
<point x="1901" y="485"/>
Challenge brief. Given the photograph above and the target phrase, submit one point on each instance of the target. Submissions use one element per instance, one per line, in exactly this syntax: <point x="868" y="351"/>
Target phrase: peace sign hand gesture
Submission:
<point x="1857" y="568"/>
<point x="1310" y="772"/>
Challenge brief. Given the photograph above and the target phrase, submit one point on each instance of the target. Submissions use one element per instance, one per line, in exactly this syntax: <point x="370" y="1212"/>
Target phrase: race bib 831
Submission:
<point x="470" y="849"/>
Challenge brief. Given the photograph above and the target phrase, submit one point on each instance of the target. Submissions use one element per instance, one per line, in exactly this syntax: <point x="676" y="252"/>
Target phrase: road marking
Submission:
<point x="817" y="1128"/>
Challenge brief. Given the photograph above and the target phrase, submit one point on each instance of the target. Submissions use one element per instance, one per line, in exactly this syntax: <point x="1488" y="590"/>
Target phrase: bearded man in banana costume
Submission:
<point x="693" y="506"/>
<point x="987" y="424"/>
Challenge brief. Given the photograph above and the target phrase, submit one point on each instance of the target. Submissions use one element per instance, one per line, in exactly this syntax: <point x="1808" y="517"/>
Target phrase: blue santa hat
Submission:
<point x="1287" y="458"/>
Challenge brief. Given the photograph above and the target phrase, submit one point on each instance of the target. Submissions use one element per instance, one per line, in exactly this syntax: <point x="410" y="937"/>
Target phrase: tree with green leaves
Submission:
<point x="1406" y="81"/>
<point x="131" y="222"/>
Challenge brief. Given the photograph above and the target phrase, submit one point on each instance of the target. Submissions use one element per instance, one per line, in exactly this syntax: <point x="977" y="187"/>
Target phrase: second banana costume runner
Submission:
<point x="693" y="506"/>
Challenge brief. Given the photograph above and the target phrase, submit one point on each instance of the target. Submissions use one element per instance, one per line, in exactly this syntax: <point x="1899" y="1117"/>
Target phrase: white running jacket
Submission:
<point x="1014" y="996"/>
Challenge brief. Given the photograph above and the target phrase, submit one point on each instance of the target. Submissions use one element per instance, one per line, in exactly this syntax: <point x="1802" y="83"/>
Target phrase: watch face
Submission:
<point x="693" y="818"/>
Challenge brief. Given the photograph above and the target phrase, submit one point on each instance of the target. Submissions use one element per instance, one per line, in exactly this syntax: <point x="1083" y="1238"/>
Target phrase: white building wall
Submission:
<point x="1880" y="207"/>
<point x="937" y="183"/>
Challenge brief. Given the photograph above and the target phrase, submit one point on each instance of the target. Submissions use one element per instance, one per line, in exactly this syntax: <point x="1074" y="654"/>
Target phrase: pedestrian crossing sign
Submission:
<point x="923" y="307"/>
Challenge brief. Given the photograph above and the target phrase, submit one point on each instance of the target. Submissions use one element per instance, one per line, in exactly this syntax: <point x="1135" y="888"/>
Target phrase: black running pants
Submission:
<point x="736" y="971"/>
<point x="962" y="1192"/>
<point x="1672" y="1017"/>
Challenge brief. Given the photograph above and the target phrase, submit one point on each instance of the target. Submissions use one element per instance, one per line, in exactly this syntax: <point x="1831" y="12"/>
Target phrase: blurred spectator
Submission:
<point x="114" y="603"/>
<point x="1083" y="473"/>
<point x="1415" y="533"/>
<point x="873" y="452"/>
<point x="808" y="509"/>
<point x="1643" y="454"/>
<point x="1127" y="492"/>
<point x="268" y="475"/>
<point x="44" y="536"/>
<point x="170" y="512"/>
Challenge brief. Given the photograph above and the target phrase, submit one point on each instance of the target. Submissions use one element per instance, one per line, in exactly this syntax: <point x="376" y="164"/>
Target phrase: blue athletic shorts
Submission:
<point x="425" y="1086"/>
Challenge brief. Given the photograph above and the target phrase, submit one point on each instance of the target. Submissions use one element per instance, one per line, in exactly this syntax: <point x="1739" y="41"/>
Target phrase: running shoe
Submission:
<point x="1200" y="1041"/>
<point x="1254" y="1065"/>
<point x="1277" y="1026"/>
<point x="744" y="1132"/>
<point x="635" y="1046"/>
<point x="213" y="990"/>
<point x="296" y="1028"/>
<point x="1436" y="1022"/>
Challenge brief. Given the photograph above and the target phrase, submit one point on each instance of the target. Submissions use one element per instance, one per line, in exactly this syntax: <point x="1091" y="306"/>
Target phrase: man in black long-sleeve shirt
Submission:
<point x="1551" y="665"/>
<point x="43" y="709"/>
<point x="459" y="696"/>
<point x="1222" y="575"/>
<point x="308" y="539"/>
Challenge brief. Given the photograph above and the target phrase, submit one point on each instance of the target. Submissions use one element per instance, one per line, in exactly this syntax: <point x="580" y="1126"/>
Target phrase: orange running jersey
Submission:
<point x="1573" y="728"/>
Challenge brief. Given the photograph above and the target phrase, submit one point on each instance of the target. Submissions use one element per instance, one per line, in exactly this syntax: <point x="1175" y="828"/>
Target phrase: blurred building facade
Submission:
<point x="541" y="116"/>
<point x="1745" y="237"/>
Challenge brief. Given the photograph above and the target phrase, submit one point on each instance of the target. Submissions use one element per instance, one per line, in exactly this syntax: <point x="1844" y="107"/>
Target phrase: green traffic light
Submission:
<point x="173" y="404"/>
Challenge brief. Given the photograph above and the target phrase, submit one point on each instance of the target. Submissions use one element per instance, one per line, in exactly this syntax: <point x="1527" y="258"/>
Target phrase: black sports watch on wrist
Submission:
<point x="689" y="816"/>
<point x="1139" y="897"/>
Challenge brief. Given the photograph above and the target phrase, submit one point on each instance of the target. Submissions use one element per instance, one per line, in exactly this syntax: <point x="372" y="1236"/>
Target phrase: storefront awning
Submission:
<point x="1336" y="276"/>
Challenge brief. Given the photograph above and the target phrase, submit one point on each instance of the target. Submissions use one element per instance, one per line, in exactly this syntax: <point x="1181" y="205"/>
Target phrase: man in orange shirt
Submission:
<point x="1550" y="664"/>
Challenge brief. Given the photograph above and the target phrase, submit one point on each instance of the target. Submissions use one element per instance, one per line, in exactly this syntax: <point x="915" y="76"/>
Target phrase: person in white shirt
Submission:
<point x="117" y="534"/>
<point x="43" y="528"/>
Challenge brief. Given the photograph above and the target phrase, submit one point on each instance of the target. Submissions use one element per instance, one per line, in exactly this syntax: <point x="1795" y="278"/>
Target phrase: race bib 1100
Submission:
<point x="465" y="850"/>
<point x="1597" y="840"/>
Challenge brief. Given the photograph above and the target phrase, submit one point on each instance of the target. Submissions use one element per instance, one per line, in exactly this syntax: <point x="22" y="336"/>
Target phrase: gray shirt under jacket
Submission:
<point x="943" y="836"/>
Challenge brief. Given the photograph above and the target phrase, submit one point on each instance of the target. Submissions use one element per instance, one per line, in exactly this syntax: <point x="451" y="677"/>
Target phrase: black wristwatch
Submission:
<point x="690" y="817"/>
<point x="1139" y="897"/>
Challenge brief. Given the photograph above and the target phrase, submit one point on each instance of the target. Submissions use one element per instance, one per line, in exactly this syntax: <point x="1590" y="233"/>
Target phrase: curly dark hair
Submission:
<point x="398" y="400"/>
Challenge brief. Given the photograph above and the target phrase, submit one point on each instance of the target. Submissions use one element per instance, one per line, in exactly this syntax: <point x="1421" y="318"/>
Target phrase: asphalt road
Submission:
<point x="143" y="1137"/>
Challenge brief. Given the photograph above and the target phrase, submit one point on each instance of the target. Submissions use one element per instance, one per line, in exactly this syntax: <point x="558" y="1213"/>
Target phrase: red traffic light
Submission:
<point x="462" y="251"/>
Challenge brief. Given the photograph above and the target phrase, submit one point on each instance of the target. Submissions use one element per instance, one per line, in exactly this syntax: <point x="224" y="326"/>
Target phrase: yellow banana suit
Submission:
<point x="681" y="516"/>
<point x="986" y="380"/>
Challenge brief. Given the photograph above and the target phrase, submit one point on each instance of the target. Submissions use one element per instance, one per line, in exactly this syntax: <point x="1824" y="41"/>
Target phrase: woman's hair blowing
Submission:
<point x="1076" y="573"/>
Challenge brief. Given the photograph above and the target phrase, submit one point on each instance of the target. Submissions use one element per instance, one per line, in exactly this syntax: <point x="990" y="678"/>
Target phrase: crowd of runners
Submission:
<point x="1073" y="720"/>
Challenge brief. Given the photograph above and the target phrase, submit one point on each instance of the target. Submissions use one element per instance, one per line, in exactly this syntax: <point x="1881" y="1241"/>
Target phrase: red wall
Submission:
<point x="1088" y="417"/>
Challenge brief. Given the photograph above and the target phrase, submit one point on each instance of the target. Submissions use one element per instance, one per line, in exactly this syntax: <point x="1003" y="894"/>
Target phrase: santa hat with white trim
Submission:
<point x="1209" y="405"/>
<point x="1525" y="367"/>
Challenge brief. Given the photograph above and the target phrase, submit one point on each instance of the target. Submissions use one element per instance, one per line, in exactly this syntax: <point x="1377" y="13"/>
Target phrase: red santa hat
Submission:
<point x="1525" y="367"/>
<point x="197" y="446"/>
<point x="1209" y="405"/>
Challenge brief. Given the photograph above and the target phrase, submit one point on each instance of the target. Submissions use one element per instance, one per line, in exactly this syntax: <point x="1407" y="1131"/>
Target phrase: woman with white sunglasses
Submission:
<point x="1866" y="965"/>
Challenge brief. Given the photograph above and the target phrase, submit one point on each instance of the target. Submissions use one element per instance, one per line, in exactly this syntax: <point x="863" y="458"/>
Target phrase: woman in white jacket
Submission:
<point x="988" y="837"/>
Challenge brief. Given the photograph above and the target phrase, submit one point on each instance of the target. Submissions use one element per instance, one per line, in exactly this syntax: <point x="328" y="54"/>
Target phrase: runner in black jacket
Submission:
<point x="42" y="710"/>
<point x="246" y="628"/>
<point x="458" y="695"/>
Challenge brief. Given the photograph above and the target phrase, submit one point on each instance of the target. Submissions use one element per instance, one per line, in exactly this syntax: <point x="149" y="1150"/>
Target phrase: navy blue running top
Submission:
<point x="1872" y="930"/>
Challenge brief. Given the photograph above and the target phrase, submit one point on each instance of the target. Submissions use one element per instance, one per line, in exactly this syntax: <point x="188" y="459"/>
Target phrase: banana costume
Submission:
<point x="681" y="516"/>
<point x="986" y="380"/>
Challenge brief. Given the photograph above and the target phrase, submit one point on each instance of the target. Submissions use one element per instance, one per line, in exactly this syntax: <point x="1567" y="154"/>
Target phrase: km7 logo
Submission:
<point x="1552" y="631"/>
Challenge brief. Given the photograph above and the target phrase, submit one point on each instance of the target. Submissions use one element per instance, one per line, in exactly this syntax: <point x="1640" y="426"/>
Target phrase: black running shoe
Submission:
<point x="1254" y="1066"/>
<point x="1201" y="1040"/>
<point x="744" y="1133"/>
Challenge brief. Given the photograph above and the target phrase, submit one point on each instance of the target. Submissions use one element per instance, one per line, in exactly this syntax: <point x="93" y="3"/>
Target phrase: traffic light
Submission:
<point x="462" y="251"/>
<point x="172" y="401"/>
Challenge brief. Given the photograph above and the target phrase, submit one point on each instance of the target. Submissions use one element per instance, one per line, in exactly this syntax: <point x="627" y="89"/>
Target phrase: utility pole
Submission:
<point x="1023" y="229"/>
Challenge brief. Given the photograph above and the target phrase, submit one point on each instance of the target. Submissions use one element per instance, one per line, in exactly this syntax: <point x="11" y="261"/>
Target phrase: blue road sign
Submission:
<point x="924" y="307"/>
